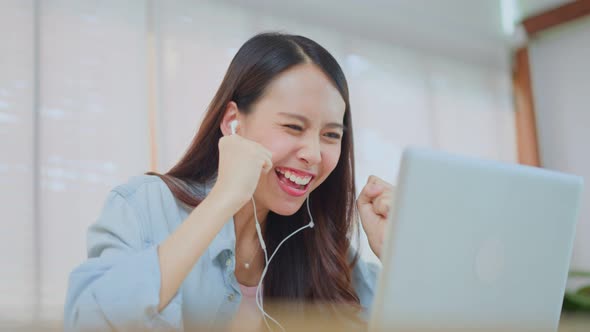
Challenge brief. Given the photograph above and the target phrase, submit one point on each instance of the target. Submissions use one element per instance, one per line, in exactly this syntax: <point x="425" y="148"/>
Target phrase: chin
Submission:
<point x="285" y="209"/>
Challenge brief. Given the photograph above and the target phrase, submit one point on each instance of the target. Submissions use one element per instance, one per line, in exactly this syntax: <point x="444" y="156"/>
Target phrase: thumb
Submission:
<point x="267" y="166"/>
<point x="369" y="192"/>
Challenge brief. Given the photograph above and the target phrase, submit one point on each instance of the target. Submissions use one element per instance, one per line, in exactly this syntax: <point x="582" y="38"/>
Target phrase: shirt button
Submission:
<point x="228" y="262"/>
<point x="230" y="297"/>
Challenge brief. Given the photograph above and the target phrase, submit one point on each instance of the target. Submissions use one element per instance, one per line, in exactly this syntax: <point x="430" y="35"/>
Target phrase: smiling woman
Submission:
<point x="182" y="248"/>
<point x="298" y="119"/>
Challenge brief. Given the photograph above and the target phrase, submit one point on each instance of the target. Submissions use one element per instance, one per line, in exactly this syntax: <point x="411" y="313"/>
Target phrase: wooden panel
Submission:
<point x="556" y="16"/>
<point x="526" y="128"/>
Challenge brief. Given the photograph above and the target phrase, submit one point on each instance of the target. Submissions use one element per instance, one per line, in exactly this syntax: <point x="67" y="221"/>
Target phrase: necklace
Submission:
<point x="247" y="263"/>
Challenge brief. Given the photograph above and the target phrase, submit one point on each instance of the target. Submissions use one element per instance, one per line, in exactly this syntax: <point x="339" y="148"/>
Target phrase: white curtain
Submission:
<point x="17" y="238"/>
<point x="89" y="100"/>
<point x="93" y="124"/>
<point x="72" y="110"/>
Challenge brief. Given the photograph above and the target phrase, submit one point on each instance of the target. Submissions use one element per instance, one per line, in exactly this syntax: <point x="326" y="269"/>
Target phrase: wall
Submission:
<point x="560" y="70"/>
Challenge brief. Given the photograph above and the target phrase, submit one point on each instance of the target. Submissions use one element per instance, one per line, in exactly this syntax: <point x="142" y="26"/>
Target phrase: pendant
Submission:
<point x="247" y="265"/>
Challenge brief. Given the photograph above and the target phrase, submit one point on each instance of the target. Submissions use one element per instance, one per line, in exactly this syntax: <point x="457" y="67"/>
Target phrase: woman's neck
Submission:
<point x="247" y="244"/>
<point x="245" y="223"/>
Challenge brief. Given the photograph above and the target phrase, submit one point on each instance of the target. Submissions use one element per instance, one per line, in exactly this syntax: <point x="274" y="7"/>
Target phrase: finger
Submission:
<point x="379" y="182"/>
<point x="369" y="192"/>
<point x="267" y="165"/>
<point x="384" y="188"/>
<point x="268" y="154"/>
<point x="382" y="205"/>
<point x="376" y="186"/>
<point x="372" y="179"/>
<point x="263" y="149"/>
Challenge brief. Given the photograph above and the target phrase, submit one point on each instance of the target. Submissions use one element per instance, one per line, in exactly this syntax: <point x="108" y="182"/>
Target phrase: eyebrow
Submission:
<point x="306" y="120"/>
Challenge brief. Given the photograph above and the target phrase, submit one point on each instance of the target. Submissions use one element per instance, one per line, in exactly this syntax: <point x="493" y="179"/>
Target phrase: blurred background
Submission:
<point x="94" y="92"/>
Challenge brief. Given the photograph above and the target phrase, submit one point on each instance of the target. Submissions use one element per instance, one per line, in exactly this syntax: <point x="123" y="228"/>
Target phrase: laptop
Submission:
<point x="475" y="245"/>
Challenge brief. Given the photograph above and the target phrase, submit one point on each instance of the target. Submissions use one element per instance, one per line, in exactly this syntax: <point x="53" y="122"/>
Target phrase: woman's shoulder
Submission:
<point x="146" y="186"/>
<point x="139" y="184"/>
<point x="149" y="198"/>
<point x="143" y="206"/>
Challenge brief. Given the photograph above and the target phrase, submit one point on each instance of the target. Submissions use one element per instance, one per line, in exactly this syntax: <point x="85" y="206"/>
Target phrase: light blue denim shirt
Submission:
<point x="118" y="286"/>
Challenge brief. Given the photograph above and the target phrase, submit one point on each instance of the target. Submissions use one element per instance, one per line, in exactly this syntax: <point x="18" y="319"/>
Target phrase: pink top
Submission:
<point x="248" y="291"/>
<point x="248" y="317"/>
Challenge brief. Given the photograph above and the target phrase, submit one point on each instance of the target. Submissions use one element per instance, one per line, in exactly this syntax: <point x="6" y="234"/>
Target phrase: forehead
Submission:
<point x="306" y="90"/>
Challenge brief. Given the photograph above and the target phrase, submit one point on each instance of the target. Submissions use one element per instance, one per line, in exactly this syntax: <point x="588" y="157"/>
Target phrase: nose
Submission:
<point x="310" y="152"/>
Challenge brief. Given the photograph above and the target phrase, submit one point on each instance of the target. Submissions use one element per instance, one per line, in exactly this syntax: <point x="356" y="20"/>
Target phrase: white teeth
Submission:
<point x="294" y="178"/>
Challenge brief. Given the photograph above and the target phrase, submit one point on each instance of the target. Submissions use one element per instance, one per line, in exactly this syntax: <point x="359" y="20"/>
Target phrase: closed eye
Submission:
<point x="333" y="135"/>
<point x="294" y="127"/>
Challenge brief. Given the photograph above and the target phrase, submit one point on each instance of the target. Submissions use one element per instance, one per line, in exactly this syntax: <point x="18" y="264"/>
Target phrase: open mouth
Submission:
<point x="293" y="183"/>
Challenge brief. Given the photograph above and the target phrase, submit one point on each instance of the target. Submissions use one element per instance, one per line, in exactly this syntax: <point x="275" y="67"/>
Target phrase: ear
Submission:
<point x="231" y="113"/>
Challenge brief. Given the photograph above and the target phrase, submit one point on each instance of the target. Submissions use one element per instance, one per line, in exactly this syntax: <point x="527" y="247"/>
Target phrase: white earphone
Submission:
<point x="259" y="296"/>
<point x="233" y="125"/>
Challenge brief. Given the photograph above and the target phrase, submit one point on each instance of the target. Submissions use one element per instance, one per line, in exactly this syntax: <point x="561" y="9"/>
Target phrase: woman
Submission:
<point x="181" y="250"/>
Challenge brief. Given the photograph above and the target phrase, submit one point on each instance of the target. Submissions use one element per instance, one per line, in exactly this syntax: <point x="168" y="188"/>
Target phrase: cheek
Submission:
<point x="280" y="151"/>
<point x="330" y="159"/>
<point x="278" y="147"/>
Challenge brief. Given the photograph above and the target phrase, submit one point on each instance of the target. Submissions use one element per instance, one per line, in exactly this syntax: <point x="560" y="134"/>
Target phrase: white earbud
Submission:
<point x="233" y="125"/>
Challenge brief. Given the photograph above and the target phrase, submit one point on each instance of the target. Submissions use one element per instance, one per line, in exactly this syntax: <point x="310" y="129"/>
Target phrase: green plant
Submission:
<point x="578" y="300"/>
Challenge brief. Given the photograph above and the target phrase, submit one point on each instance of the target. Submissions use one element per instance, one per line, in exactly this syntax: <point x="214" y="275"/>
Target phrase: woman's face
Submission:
<point x="299" y="119"/>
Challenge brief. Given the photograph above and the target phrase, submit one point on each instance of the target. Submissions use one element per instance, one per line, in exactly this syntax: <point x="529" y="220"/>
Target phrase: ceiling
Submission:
<point x="479" y="16"/>
<point x="479" y="29"/>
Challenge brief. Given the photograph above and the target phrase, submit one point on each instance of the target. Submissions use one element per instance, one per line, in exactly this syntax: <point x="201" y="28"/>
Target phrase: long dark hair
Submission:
<point x="314" y="265"/>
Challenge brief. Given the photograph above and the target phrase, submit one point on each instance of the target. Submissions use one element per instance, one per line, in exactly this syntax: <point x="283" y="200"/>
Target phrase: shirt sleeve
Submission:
<point x="118" y="287"/>
<point x="364" y="279"/>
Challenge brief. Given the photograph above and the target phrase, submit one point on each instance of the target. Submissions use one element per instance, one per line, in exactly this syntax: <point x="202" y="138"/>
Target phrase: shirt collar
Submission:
<point x="223" y="241"/>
